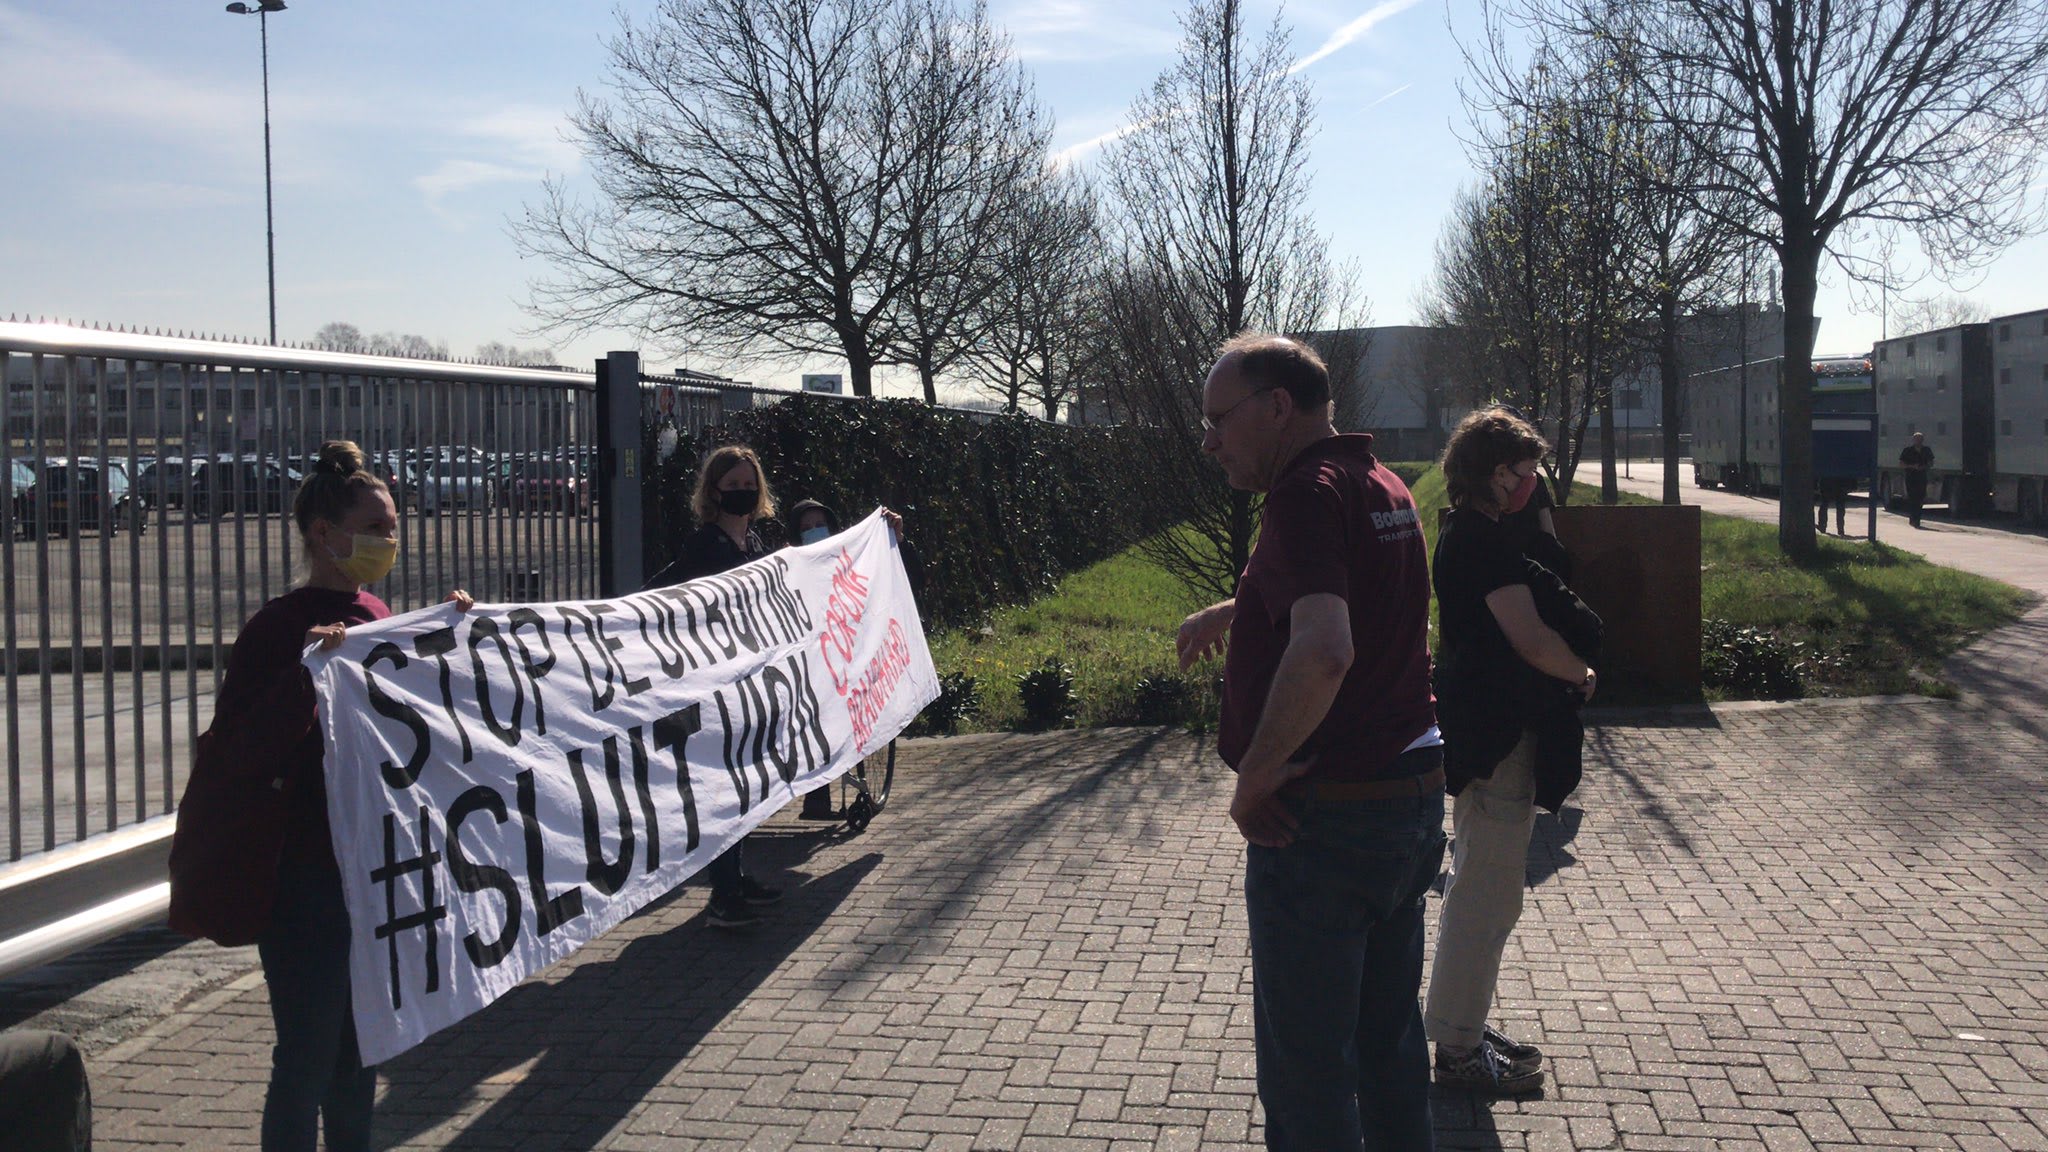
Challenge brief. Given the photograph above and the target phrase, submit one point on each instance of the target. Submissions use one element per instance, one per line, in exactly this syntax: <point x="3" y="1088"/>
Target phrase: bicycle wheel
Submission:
<point x="878" y="771"/>
<point x="866" y="787"/>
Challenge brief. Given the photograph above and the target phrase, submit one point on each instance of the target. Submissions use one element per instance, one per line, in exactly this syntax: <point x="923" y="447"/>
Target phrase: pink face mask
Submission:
<point x="1519" y="498"/>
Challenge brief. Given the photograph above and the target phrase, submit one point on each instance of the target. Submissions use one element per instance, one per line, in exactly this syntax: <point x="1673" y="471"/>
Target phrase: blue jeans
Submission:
<point x="316" y="1073"/>
<point x="1336" y="930"/>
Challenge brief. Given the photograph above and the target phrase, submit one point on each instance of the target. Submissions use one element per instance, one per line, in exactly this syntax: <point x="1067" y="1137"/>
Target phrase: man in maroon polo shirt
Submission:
<point x="1329" y="723"/>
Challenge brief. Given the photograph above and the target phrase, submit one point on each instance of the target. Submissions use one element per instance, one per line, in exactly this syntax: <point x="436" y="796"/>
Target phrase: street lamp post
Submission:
<point x="262" y="10"/>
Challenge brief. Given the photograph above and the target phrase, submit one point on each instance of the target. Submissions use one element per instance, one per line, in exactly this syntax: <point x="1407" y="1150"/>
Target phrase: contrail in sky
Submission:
<point x="1387" y="97"/>
<point x="1073" y="152"/>
<point x="1353" y="31"/>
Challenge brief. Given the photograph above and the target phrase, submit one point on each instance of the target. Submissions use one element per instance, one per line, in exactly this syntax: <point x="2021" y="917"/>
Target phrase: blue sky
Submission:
<point x="406" y="135"/>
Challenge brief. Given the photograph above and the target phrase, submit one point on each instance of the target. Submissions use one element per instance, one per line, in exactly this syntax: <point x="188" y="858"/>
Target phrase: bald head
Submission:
<point x="1264" y="360"/>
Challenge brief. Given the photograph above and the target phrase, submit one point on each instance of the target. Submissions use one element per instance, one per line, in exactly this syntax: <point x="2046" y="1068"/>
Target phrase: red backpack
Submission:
<point x="225" y="850"/>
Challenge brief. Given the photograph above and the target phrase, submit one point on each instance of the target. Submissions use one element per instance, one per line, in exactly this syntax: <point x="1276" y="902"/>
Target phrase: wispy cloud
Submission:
<point x="57" y="75"/>
<point x="511" y="145"/>
<point x="534" y="134"/>
<point x="1344" y="36"/>
<point x="129" y="195"/>
<point x="460" y="175"/>
<point x="1078" y="30"/>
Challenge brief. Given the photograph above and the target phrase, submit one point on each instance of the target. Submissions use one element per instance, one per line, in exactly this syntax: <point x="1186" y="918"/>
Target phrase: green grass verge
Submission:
<point x="1112" y="623"/>
<point x="1862" y="619"/>
<point x="1868" y="618"/>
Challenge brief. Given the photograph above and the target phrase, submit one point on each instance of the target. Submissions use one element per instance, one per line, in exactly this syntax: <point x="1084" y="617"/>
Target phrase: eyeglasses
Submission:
<point x="1215" y="423"/>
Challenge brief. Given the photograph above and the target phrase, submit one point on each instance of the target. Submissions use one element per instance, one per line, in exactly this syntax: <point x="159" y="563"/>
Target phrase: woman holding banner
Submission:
<point x="264" y="721"/>
<point x="731" y="494"/>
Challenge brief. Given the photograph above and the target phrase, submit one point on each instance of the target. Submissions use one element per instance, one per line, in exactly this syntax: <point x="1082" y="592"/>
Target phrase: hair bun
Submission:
<point x="340" y="457"/>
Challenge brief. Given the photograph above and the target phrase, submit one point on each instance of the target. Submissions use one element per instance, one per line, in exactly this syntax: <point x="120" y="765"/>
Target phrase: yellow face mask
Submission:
<point x="369" y="560"/>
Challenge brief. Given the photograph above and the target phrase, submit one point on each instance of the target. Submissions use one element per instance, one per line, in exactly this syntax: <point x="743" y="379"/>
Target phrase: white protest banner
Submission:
<point x="506" y="784"/>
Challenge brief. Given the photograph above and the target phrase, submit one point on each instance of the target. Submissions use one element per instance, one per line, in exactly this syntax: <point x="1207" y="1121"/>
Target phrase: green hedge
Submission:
<point x="995" y="510"/>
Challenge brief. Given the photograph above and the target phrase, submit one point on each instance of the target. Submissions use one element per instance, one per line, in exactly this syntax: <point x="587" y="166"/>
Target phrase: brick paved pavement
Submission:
<point x="1779" y="927"/>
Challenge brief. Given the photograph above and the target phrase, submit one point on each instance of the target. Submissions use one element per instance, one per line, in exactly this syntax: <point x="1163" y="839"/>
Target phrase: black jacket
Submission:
<point x="1484" y="708"/>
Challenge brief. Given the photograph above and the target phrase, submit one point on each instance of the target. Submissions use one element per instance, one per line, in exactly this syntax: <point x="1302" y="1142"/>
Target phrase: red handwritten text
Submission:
<point x="866" y="699"/>
<point x="843" y="612"/>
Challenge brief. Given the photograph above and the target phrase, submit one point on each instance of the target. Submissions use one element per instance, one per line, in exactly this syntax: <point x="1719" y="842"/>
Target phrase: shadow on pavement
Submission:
<point x="1548" y="851"/>
<point x="1686" y="715"/>
<point x="568" y="1060"/>
<point x="1465" y="1121"/>
<point x="975" y="827"/>
<point x="26" y="994"/>
<point x="1601" y="751"/>
<point x="2003" y="671"/>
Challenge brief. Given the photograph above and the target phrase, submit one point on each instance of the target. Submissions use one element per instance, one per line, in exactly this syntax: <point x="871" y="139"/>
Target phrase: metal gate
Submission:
<point x="147" y="500"/>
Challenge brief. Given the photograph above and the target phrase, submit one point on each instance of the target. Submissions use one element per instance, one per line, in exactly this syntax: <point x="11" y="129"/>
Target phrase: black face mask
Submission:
<point x="739" y="501"/>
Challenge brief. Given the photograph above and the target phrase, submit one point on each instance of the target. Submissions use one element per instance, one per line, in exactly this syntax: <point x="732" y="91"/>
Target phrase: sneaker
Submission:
<point x="1520" y="1057"/>
<point x="1484" y="1070"/>
<point x="818" y="806"/>
<point x="733" y="915"/>
<point x="752" y="891"/>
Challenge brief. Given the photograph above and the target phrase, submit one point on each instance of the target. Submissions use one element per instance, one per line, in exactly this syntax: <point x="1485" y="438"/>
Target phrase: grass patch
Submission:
<point x="1113" y="625"/>
<point x="1860" y="620"/>
<point x="1409" y="470"/>
<point x="1869" y="618"/>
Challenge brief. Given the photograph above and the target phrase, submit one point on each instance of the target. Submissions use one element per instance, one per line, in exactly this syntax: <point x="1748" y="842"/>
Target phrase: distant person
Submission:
<point x="1917" y="459"/>
<point x="1328" y="722"/>
<point x="812" y="522"/>
<point x="1508" y="686"/>
<point x="264" y="719"/>
<point x="1831" y="490"/>
<point x="45" y="1101"/>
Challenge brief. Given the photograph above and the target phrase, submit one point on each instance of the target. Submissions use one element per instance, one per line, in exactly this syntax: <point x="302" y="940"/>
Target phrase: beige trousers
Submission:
<point x="1492" y="820"/>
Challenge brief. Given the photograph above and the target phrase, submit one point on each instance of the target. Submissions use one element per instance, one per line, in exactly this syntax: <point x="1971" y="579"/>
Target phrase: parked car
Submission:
<point x="454" y="484"/>
<point x="64" y="496"/>
<point x="241" y="484"/>
<point x="546" y="485"/>
<point x="162" y="483"/>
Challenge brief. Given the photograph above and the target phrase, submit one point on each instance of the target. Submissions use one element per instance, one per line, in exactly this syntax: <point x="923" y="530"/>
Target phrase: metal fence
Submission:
<point x="146" y="500"/>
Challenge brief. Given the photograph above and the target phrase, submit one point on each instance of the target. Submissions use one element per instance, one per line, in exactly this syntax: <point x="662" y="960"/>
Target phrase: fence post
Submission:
<point x="622" y="560"/>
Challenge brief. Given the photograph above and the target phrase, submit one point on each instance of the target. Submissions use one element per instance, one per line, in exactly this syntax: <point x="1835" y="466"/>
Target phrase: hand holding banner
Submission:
<point x="507" y="784"/>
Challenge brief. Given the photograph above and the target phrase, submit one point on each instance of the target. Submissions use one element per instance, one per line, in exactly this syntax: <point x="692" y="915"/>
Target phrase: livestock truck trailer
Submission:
<point x="1978" y="395"/>
<point x="1735" y="422"/>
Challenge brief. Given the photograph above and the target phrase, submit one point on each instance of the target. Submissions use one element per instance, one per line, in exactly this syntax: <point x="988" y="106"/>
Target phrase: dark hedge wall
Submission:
<point x="995" y="511"/>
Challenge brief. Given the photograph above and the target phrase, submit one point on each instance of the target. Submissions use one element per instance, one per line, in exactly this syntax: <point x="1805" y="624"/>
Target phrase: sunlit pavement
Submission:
<point x="1780" y="926"/>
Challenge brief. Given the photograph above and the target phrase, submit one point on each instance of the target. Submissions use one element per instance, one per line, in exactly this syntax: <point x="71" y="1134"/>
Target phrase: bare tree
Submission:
<point x="1685" y="261"/>
<point x="1535" y="267"/>
<point x="1039" y="331"/>
<point x="344" y="337"/>
<point x="977" y="140"/>
<point x="511" y="355"/>
<point x="1211" y="237"/>
<point x="1938" y="311"/>
<point x="340" y="337"/>
<point x="407" y="344"/>
<point x="751" y="164"/>
<point x="1925" y="115"/>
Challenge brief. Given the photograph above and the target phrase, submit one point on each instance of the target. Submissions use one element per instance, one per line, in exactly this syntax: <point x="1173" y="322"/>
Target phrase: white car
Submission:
<point x="455" y="484"/>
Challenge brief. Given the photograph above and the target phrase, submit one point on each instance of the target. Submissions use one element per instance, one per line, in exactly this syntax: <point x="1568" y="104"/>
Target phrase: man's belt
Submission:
<point x="1340" y="790"/>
